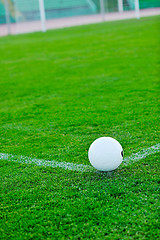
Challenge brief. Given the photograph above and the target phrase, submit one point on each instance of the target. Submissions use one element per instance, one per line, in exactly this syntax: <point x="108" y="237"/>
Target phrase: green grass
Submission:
<point x="59" y="91"/>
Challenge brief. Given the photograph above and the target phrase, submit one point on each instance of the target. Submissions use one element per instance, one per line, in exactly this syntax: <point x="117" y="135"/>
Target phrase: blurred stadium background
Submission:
<point x="14" y="13"/>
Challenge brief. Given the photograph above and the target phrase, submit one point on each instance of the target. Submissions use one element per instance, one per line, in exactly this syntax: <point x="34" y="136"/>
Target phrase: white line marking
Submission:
<point x="142" y="154"/>
<point x="45" y="163"/>
<point x="77" y="167"/>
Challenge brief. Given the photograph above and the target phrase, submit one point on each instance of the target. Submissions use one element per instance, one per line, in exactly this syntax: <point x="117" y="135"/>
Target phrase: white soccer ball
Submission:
<point x="105" y="154"/>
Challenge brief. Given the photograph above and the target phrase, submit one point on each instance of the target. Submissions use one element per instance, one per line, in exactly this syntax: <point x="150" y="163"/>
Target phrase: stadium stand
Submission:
<point x="149" y="3"/>
<point x="28" y="10"/>
<point x="144" y="3"/>
<point x="2" y="13"/>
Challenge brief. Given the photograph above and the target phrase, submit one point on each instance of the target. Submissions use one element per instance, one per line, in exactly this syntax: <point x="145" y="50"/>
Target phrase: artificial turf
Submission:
<point x="59" y="91"/>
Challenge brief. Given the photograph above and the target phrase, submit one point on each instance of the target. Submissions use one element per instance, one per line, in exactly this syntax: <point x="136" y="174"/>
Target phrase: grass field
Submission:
<point x="59" y="91"/>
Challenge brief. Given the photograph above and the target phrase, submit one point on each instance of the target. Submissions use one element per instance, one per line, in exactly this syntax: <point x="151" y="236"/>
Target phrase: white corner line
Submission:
<point x="142" y="154"/>
<point x="77" y="167"/>
<point x="45" y="163"/>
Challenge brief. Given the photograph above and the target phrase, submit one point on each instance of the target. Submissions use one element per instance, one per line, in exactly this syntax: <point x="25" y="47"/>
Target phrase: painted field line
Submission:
<point x="142" y="154"/>
<point x="45" y="163"/>
<point x="77" y="167"/>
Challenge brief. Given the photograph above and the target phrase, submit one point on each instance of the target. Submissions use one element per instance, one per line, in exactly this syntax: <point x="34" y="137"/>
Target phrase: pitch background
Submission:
<point x="60" y="91"/>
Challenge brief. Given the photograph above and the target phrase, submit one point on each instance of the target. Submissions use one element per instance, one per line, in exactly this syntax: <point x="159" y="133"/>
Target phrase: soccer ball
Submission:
<point x="105" y="154"/>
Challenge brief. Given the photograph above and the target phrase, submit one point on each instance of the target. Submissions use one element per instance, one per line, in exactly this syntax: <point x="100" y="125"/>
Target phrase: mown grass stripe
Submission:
<point x="77" y="167"/>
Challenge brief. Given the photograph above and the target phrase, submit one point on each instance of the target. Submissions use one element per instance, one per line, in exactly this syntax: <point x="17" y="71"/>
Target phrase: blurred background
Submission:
<point x="19" y="16"/>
